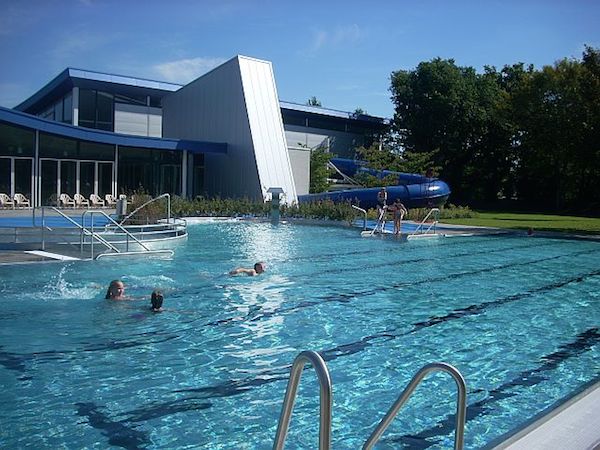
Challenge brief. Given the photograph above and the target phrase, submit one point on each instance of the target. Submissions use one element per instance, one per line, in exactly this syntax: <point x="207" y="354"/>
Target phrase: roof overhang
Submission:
<point x="105" y="137"/>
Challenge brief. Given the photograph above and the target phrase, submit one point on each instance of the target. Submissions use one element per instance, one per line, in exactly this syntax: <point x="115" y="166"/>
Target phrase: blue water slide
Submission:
<point x="413" y="190"/>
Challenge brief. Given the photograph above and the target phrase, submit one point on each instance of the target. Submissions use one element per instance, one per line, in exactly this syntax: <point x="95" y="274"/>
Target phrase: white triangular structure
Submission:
<point x="236" y="103"/>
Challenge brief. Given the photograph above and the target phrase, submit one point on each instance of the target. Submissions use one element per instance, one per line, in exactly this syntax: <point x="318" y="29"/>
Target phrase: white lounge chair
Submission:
<point x="96" y="201"/>
<point x="66" y="201"/>
<point x="81" y="201"/>
<point x="110" y="200"/>
<point x="5" y="201"/>
<point x="21" y="201"/>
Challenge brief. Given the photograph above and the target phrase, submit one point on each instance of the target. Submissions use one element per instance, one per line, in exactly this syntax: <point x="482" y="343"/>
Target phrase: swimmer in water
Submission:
<point x="156" y="301"/>
<point x="115" y="291"/>
<point x="258" y="268"/>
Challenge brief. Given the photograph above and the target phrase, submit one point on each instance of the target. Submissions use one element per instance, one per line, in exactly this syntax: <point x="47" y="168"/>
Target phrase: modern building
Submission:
<point x="225" y="133"/>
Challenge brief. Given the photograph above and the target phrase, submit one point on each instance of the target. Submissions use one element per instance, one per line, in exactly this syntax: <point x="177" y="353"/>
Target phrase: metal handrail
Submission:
<point x="151" y="201"/>
<point x="290" y="397"/>
<point x="365" y="218"/>
<point x="380" y="222"/>
<point x="461" y="407"/>
<point x="421" y="225"/>
<point x="84" y="230"/>
<point x="118" y="225"/>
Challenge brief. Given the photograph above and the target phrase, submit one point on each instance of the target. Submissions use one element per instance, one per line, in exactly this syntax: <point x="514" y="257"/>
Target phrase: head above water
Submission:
<point x="259" y="267"/>
<point x="156" y="300"/>
<point x="116" y="290"/>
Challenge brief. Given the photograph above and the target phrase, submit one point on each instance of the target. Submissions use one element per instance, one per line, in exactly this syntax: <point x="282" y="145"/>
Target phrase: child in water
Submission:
<point x="156" y="301"/>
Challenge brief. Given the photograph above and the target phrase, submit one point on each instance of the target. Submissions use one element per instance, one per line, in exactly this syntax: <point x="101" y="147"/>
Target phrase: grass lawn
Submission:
<point x="540" y="222"/>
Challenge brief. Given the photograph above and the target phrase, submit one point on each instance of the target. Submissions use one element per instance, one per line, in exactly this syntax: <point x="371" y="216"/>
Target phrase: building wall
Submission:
<point x="138" y="120"/>
<point x="300" y="160"/>
<point x="340" y="143"/>
<point x="235" y="103"/>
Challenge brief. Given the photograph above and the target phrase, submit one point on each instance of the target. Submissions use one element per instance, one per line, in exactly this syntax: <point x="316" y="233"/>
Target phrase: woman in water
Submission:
<point x="115" y="291"/>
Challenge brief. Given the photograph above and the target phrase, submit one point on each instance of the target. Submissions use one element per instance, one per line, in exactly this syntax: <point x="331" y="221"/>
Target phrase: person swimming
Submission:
<point x="258" y="268"/>
<point x="115" y="291"/>
<point x="156" y="300"/>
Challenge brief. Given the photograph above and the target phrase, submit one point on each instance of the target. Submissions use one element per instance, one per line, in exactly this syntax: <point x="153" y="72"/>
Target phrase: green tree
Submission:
<point x="319" y="171"/>
<point x="313" y="101"/>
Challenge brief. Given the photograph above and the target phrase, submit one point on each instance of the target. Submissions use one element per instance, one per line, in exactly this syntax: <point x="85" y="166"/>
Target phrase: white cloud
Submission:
<point x="185" y="70"/>
<point x="341" y="35"/>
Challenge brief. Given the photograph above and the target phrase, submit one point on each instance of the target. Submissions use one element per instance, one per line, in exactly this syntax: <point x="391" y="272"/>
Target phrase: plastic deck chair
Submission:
<point x="81" y="201"/>
<point x="110" y="200"/>
<point x="96" y="201"/>
<point x="21" y="201"/>
<point x="66" y="201"/>
<point x="5" y="201"/>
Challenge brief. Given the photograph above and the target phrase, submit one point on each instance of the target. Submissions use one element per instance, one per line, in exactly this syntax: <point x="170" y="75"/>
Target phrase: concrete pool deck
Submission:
<point x="573" y="425"/>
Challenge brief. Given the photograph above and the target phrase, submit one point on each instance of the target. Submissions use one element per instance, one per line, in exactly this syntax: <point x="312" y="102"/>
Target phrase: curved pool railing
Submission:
<point x="290" y="397"/>
<point x="461" y="407"/>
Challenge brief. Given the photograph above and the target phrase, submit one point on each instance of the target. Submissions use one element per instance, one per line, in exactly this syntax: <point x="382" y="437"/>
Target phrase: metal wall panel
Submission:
<point x="339" y="143"/>
<point x="300" y="160"/>
<point x="266" y="126"/>
<point x="138" y="120"/>
<point x="235" y="103"/>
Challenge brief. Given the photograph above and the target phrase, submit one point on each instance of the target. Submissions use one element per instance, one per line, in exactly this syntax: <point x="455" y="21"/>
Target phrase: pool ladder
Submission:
<point x="326" y="401"/>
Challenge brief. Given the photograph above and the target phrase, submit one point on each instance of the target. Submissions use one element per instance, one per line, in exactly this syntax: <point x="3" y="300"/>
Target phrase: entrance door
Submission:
<point x="16" y="176"/>
<point x="49" y="184"/>
<point x="62" y="176"/>
<point x="24" y="177"/>
<point x="105" y="179"/>
<point x="87" y="176"/>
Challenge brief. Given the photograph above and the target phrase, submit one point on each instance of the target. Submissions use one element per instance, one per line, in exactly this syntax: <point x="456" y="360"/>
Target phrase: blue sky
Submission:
<point x="341" y="52"/>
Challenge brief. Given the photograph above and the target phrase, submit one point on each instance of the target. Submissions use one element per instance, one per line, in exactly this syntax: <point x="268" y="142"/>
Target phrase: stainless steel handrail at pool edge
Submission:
<point x="435" y="211"/>
<point x="290" y="396"/>
<point x="365" y="216"/>
<point x="152" y="200"/>
<point x="461" y="407"/>
<point x="83" y="230"/>
<point x="118" y="225"/>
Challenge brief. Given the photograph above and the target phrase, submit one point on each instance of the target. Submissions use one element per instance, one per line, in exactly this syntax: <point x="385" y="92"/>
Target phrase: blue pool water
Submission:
<point x="517" y="316"/>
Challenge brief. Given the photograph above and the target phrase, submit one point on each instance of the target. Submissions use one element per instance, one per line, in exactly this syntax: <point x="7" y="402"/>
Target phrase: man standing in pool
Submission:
<point x="258" y="268"/>
<point x="381" y="201"/>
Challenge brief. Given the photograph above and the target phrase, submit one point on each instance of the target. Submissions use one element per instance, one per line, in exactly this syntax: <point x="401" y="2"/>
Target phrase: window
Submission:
<point x="16" y="141"/>
<point x="52" y="146"/>
<point x="68" y="109"/>
<point x="153" y="171"/>
<point x="96" y="109"/>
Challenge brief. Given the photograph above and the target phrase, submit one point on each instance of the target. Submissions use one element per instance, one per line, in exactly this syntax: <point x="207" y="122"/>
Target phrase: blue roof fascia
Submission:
<point x="107" y="137"/>
<point x="121" y="79"/>
<point x="89" y="75"/>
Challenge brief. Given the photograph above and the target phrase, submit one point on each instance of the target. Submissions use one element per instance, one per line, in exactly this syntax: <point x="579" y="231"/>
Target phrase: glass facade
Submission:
<point x="96" y="109"/>
<point x="16" y="141"/>
<point x="152" y="171"/>
<point x="61" y="110"/>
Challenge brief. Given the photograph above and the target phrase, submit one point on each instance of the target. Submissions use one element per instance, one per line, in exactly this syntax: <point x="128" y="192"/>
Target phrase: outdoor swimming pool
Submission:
<point x="517" y="316"/>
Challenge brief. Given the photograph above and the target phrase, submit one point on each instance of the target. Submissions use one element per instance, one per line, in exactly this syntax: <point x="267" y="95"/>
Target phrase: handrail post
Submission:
<point x="365" y="216"/>
<point x="461" y="407"/>
<point x="43" y="229"/>
<point x="290" y="397"/>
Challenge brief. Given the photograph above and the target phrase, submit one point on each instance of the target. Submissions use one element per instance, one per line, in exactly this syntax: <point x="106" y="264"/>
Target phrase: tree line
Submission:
<point x="531" y="137"/>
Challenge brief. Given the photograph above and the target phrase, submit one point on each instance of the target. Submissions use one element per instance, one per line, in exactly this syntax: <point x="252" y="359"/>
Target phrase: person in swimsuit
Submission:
<point x="399" y="211"/>
<point x="258" y="268"/>
<point x="115" y="291"/>
<point x="156" y="300"/>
